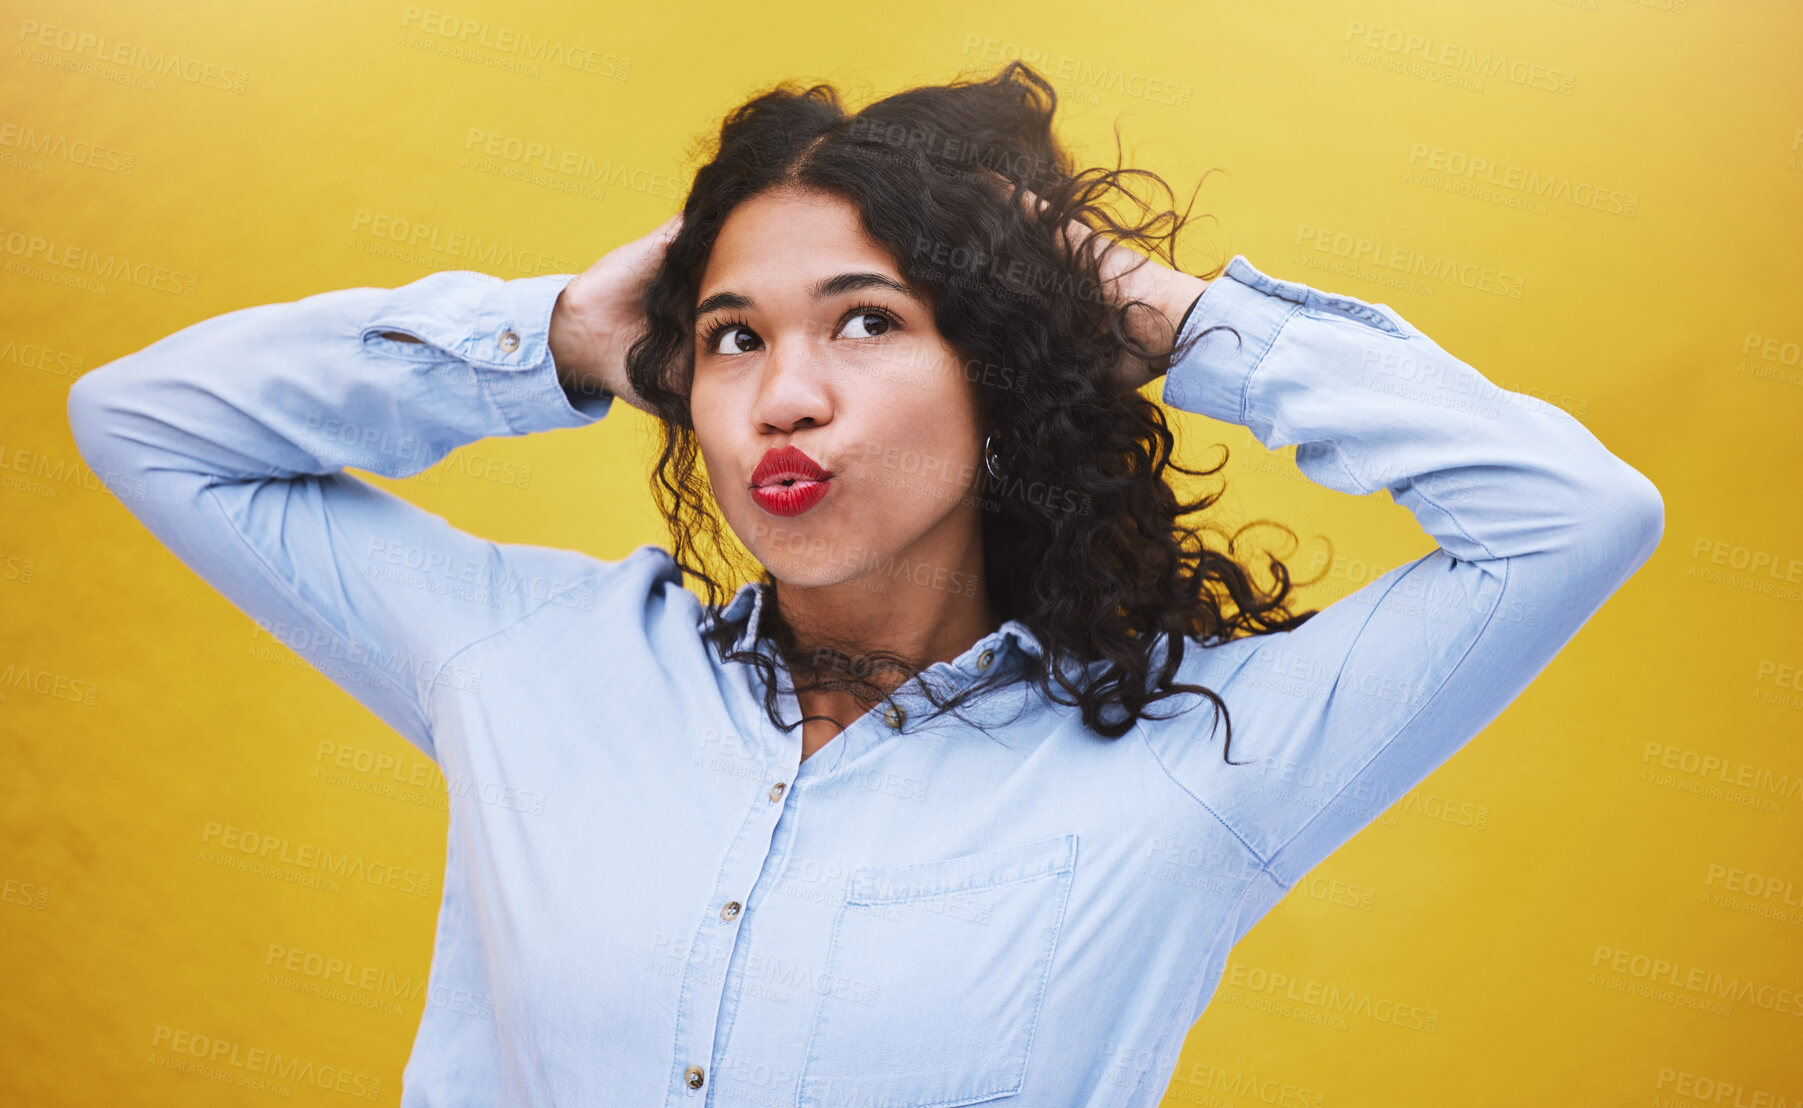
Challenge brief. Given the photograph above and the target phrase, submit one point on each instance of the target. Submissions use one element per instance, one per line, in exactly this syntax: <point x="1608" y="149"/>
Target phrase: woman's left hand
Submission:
<point x="1128" y="276"/>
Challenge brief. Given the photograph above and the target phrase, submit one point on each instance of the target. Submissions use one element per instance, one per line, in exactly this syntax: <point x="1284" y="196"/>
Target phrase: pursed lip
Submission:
<point x="786" y="464"/>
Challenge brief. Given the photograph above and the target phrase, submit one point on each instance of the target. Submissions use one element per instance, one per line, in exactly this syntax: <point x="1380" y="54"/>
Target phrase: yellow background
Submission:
<point x="1660" y="302"/>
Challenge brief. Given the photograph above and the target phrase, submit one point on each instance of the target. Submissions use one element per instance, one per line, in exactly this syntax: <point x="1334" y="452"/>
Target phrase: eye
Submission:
<point x="863" y="314"/>
<point x="734" y="336"/>
<point x="729" y="329"/>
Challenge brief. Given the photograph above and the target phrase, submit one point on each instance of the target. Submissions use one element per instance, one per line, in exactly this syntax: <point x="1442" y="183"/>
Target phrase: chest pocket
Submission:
<point x="934" y="977"/>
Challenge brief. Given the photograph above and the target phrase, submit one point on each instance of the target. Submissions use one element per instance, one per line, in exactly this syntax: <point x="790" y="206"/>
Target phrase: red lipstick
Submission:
<point x="788" y="482"/>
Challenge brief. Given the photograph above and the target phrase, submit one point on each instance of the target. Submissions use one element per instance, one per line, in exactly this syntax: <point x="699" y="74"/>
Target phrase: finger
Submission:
<point x="1075" y="233"/>
<point x="643" y="255"/>
<point x="663" y="234"/>
<point x="1028" y="201"/>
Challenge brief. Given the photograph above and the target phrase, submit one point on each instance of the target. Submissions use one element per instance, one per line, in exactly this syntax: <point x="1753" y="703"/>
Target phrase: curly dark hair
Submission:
<point x="935" y="173"/>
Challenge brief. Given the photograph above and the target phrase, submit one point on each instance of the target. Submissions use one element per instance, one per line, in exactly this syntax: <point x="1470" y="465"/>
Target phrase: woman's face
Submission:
<point x="807" y="338"/>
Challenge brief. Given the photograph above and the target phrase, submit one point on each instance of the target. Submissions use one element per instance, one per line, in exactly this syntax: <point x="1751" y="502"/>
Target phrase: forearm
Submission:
<point x="576" y="350"/>
<point x="333" y="380"/>
<point x="230" y="433"/>
<point x="1537" y="525"/>
<point x="589" y="353"/>
<point x="1372" y="403"/>
<point x="1172" y="295"/>
<point x="1174" y="298"/>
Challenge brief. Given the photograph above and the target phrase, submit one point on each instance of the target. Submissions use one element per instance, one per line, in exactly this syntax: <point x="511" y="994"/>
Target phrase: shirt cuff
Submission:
<point x="509" y="345"/>
<point x="1245" y="309"/>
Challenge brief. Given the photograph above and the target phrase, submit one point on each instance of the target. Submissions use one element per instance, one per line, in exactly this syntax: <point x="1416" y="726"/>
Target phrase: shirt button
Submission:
<point x="985" y="658"/>
<point x="895" y="716"/>
<point x="695" y="1076"/>
<point x="776" y="791"/>
<point x="509" y="341"/>
<point x="730" y="911"/>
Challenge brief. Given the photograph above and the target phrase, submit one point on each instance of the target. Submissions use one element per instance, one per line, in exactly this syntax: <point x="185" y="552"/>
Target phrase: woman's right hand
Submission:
<point x="600" y="314"/>
<point x="1129" y="276"/>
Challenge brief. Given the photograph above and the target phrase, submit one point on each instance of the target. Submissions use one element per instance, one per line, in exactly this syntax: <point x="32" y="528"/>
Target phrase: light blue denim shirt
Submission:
<point x="655" y="901"/>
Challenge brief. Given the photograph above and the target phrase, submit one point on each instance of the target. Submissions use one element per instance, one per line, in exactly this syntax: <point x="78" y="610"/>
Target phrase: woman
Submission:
<point x="990" y="865"/>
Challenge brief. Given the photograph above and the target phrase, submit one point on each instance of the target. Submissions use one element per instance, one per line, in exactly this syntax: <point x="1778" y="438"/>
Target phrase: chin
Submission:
<point x="802" y="569"/>
<point x="813" y="550"/>
<point x="821" y="562"/>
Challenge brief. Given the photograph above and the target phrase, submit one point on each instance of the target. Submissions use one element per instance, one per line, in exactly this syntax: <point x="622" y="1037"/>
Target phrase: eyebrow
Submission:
<point x="820" y="290"/>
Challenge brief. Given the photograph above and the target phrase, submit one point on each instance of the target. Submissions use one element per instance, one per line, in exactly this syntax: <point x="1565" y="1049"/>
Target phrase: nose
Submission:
<point x="793" y="388"/>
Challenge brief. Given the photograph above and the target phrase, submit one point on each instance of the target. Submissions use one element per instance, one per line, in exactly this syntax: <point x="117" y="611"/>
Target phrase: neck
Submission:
<point x="927" y="604"/>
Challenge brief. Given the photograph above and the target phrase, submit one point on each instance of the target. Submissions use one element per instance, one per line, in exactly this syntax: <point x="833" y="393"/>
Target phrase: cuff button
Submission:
<point x="509" y="341"/>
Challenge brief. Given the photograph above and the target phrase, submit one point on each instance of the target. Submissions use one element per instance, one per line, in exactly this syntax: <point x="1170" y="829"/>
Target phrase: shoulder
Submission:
<point x="574" y="612"/>
<point x="645" y="584"/>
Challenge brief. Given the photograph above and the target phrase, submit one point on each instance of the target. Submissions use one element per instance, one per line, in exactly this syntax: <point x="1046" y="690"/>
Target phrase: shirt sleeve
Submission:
<point x="227" y="439"/>
<point x="1536" y="525"/>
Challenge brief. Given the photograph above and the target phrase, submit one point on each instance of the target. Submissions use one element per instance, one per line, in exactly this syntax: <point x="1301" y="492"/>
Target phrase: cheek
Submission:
<point x="943" y="414"/>
<point x="923" y="448"/>
<point x="707" y="410"/>
<point x="713" y="440"/>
